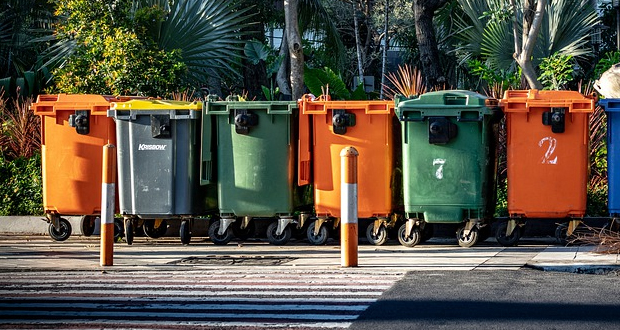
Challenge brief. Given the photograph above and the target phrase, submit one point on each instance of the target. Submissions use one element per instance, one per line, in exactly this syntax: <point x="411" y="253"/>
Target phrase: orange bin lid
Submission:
<point x="523" y="100"/>
<point x="47" y="105"/>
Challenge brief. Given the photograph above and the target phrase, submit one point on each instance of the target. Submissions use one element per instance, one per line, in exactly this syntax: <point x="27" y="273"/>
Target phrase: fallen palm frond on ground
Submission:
<point x="606" y="239"/>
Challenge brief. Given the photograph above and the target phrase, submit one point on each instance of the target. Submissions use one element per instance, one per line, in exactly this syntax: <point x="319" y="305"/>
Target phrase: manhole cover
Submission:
<point x="230" y="260"/>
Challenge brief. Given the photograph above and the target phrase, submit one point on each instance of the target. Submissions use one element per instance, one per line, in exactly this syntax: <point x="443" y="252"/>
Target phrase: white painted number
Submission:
<point x="546" y="159"/>
<point x="439" y="172"/>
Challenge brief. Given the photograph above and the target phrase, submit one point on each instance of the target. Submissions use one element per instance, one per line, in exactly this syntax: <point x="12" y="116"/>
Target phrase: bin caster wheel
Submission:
<point x="411" y="240"/>
<point x="467" y="240"/>
<point x="380" y="238"/>
<point x="275" y="239"/>
<point x="87" y="224"/>
<point x="185" y="232"/>
<point x="320" y="238"/>
<point x="118" y="230"/>
<point x="152" y="230"/>
<point x="219" y="239"/>
<point x="560" y="234"/>
<point x="129" y="231"/>
<point x="62" y="233"/>
<point x="504" y="240"/>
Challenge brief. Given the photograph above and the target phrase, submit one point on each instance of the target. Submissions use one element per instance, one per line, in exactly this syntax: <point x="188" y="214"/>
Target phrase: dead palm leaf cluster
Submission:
<point x="606" y="239"/>
<point x="406" y="81"/>
<point x="20" y="128"/>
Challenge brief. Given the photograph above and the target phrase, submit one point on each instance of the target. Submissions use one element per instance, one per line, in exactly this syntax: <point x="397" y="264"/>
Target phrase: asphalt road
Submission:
<point x="523" y="299"/>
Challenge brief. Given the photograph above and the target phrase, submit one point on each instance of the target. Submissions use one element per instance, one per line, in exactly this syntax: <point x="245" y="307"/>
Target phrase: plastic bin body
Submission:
<point x="321" y="142"/>
<point x="158" y="159"/>
<point x="72" y="162"/>
<point x="448" y="178"/>
<point x="255" y="157"/>
<point x="547" y="170"/>
<point x="612" y="109"/>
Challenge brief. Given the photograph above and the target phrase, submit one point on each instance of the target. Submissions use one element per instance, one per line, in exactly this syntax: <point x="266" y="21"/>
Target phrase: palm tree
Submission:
<point x="565" y="30"/>
<point x="21" y="21"/>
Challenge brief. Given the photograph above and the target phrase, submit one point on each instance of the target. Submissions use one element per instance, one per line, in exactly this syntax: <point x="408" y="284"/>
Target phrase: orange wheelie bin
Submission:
<point x="547" y="159"/>
<point x="326" y="127"/>
<point x="74" y="129"/>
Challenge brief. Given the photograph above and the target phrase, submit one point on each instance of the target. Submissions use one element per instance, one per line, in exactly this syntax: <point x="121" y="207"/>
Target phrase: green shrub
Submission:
<point x="21" y="187"/>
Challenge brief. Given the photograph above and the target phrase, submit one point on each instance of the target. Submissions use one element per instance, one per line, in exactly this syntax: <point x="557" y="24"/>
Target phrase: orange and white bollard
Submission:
<point x="348" y="207"/>
<point x="108" y="197"/>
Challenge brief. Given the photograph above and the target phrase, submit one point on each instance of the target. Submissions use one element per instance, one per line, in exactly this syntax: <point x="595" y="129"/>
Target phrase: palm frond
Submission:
<point x="315" y="17"/>
<point x="207" y="33"/>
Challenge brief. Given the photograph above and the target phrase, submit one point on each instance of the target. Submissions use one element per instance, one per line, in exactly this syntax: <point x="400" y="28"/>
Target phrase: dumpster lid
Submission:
<point x="139" y="105"/>
<point x="446" y="103"/>
<point x="97" y="104"/>
<point x="271" y="107"/>
<point x="610" y="105"/>
<point x="319" y="106"/>
<point x="523" y="100"/>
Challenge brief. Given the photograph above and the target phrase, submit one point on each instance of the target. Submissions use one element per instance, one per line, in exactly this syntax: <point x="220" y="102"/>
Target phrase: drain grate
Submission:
<point x="233" y="260"/>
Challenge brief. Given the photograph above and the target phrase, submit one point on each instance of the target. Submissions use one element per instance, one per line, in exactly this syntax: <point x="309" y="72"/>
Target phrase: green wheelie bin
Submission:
<point x="448" y="163"/>
<point x="255" y="152"/>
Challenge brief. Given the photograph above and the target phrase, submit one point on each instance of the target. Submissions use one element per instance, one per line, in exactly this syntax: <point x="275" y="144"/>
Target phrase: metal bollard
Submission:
<point x="348" y="207"/>
<point x="107" y="205"/>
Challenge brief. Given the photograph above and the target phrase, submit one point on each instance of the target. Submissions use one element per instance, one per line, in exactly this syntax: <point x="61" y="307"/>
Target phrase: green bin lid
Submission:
<point x="445" y="103"/>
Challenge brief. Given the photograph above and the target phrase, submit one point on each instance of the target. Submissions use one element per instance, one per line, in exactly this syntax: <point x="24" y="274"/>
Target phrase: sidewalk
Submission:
<point x="78" y="253"/>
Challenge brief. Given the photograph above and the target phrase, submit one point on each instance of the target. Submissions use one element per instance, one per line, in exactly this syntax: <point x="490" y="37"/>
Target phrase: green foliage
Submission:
<point x="501" y="209"/>
<point x="145" y="47"/>
<point x="320" y="81"/>
<point x="326" y="80"/>
<point x="556" y="71"/>
<point x="271" y="94"/>
<point x="597" y="201"/>
<point x="497" y="78"/>
<point x="21" y="187"/>
<point x="120" y="64"/>
<point x="606" y="62"/>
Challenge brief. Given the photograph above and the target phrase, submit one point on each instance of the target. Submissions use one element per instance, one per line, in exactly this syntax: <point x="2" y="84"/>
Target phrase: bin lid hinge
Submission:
<point x="81" y="121"/>
<point x="244" y="119"/>
<point x="341" y="120"/>
<point x="556" y="118"/>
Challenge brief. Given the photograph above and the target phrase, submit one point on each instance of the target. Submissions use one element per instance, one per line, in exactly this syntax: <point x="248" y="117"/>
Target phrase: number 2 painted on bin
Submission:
<point x="441" y="163"/>
<point x="546" y="159"/>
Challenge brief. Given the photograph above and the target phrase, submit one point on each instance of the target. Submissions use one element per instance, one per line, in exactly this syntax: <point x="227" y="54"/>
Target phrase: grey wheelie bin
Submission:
<point x="158" y="165"/>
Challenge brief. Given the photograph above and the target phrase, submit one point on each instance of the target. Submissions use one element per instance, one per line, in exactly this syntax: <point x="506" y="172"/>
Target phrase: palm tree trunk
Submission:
<point x="295" y="47"/>
<point x="424" y="10"/>
<point x="523" y="56"/>
<point x="284" y="70"/>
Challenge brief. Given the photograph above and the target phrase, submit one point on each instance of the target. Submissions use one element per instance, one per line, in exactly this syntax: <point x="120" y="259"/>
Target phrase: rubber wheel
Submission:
<point x="119" y="232"/>
<point x="129" y="231"/>
<point x="380" y="238"/>
<point x="469" y="240"/>
<point x="560" y="234"/>
<point x="278" y="239"/>
<point x="219" y="239"/>
<point x="151" y="231"/>
<point x="319" y="239"/>
<point x="503" y="240"/>
<point x="243" y="234"/>
<point x="185" y="232"/>
<point x="411" y="240"/>
<point x="61" y="234"/>
<point x="87" y="224"/>
<point x="427" y="233"/>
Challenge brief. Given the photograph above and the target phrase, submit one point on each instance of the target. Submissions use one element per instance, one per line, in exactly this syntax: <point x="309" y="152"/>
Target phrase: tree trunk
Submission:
<point x="284" y="70"/>
<point x="358" y="45"/>
<point x="424" y="10"/>
<point x="295" y="47"/>
<point x="523" y="56"/>
<point x="386" y="42"/>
